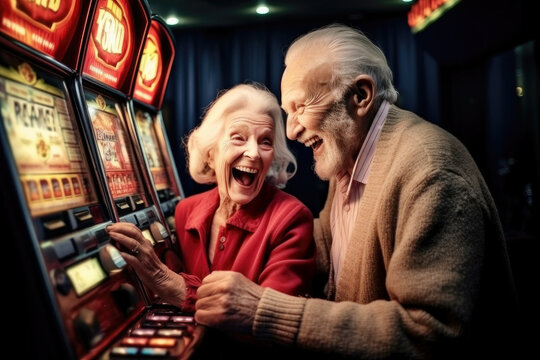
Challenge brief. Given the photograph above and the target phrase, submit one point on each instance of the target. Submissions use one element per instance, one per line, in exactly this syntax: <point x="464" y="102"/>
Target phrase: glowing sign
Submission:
<point x="155" y="65"/>
<point x="109" y="34"/>
<point x="424" y="12"/>
<point x="149" y="69"/>
<point x="49" y="26"/>
<point x="115" y="42"/>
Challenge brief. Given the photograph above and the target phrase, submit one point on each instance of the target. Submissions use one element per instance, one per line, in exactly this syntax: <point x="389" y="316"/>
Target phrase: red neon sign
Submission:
<point x="155" y="65"/>
<point x="49" y="26"/>
<point x="425" y="12"/>
<point x="110" y="47"/>
<point x="115" y="43"/>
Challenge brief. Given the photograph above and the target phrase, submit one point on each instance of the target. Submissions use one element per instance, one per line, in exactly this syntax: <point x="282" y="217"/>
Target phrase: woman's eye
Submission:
<point x="237" y="138"/>
<point x="267" y="142"/>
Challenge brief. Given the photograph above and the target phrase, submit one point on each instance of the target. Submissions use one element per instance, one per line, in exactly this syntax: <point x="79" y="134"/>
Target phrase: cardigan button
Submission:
<point x="221" y="247"/>
<point x="222" y="239"/>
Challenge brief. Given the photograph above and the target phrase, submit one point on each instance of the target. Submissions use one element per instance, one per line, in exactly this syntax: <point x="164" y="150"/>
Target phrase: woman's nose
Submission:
<point x="252" y="149"/>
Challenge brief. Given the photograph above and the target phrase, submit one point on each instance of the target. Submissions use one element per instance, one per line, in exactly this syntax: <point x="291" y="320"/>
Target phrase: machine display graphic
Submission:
<point x="112" y="139"/>
<point x="51" y="164"/>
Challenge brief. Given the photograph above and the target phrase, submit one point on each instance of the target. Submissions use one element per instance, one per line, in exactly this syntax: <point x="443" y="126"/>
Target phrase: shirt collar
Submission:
<point x="248" y="216"/>
<point x="363" y="160"/>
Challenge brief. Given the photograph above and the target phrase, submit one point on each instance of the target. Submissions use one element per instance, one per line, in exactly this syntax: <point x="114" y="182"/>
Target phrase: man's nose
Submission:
<point x="293" y="127"/>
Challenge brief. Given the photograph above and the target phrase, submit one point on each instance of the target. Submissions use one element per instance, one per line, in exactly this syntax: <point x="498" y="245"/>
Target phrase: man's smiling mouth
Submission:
<point x="314" y="142"/>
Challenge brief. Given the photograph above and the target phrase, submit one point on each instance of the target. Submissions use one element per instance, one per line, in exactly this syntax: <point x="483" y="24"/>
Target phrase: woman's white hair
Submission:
<point x="350" y="53"/>
<point x="201" y="140"/>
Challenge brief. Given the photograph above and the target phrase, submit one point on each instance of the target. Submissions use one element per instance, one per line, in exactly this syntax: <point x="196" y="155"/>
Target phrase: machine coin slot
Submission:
<point x="123" y="207"/>
<point x="139" y="202"/>
<point x="83" y="217"/>
<point x="55" y="226"/>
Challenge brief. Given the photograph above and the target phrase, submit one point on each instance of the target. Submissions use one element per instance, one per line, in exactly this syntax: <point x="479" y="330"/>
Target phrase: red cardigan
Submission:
<point x="269" y="240"/>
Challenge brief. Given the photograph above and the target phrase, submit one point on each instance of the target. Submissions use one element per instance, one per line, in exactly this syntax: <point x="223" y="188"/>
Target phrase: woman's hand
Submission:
<point x="228" y="301"/>
<point x="139" y="253"/>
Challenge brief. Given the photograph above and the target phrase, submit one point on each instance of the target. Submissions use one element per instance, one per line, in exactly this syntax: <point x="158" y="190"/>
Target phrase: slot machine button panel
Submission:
<point x="130" y="218"/>
<point x="86" y="242"/>
<point x="162" y="332"/>
<point x="64" y="249"/>
<point x="111" y="259"/>
<point x="159" y="232"/>
<point x="101" y="236"/>
<point x="142" y="219"/>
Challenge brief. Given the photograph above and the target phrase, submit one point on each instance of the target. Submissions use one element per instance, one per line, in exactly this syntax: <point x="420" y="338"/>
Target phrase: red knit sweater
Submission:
<point x="269" y="240"/>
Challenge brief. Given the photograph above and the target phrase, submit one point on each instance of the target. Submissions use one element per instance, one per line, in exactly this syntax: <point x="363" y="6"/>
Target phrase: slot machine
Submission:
<point x="115" y="42"/>
<point x="114" y="46"/>
<point x="145" y="107"/>
<point x="72" y="292"/>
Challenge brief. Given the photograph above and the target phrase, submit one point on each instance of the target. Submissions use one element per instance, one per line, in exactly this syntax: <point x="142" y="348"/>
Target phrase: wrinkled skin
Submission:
<point x="152" y="272"/>
<point x="228" y="301"/>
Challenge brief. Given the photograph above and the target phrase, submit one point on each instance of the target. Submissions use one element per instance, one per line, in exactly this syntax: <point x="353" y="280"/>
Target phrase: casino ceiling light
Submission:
<point x="172" y="20"/>
<point x="262" y="9"/>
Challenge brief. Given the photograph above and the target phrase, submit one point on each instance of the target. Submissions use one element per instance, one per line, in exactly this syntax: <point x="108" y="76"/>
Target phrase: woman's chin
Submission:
<point x="242" y="194"/>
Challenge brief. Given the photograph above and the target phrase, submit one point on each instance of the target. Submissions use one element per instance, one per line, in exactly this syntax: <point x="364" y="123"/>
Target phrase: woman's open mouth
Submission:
<point x="244" y="175"/>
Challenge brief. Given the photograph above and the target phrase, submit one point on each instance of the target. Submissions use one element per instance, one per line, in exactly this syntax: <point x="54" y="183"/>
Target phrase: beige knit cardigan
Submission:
<point x="426" y="272"/>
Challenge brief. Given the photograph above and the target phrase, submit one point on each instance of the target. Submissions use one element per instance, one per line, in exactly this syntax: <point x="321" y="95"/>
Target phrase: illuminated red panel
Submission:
<point x="155" y="65"/>
<point x="49" y="26"/>
<point x="115" y="42"/>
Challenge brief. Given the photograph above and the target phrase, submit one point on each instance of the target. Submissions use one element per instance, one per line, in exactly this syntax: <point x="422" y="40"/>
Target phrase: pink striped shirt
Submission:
<point x="349" y="191"/>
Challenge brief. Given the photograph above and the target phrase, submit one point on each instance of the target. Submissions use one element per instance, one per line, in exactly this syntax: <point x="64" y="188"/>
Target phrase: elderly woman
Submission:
<point x="245" y="223"/>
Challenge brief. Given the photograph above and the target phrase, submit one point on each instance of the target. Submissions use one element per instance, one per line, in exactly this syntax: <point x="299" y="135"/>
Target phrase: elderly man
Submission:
<point x="409" y="238"/>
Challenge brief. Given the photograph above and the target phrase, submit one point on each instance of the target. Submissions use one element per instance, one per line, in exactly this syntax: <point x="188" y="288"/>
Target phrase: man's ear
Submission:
<point x="363" y="95"/>
<point x="210" y="159"/>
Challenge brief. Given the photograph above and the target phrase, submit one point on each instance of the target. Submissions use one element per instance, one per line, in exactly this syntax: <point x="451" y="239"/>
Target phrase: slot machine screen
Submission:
<point x="43" y="136"/>
<point x="145" y="124"/>
<point x="114" y="147"/>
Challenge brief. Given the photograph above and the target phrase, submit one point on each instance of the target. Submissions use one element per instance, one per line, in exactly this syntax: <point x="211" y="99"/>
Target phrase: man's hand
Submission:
<point x="227" y="300"/>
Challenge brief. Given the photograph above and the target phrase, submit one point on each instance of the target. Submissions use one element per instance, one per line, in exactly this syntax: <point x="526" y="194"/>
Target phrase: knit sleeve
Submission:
<point x="278" y="317"/>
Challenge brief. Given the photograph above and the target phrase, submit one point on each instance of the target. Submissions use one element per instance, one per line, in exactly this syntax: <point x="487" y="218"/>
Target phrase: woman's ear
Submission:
<point x="363" y="95"/>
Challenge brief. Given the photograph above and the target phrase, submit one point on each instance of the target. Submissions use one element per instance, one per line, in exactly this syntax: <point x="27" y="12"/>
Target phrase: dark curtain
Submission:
<point x="208" y="60"/>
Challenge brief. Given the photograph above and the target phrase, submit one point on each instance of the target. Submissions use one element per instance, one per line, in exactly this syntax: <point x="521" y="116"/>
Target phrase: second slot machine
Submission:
<point x="115" y="41"/>
<point x="149" y="127"/>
